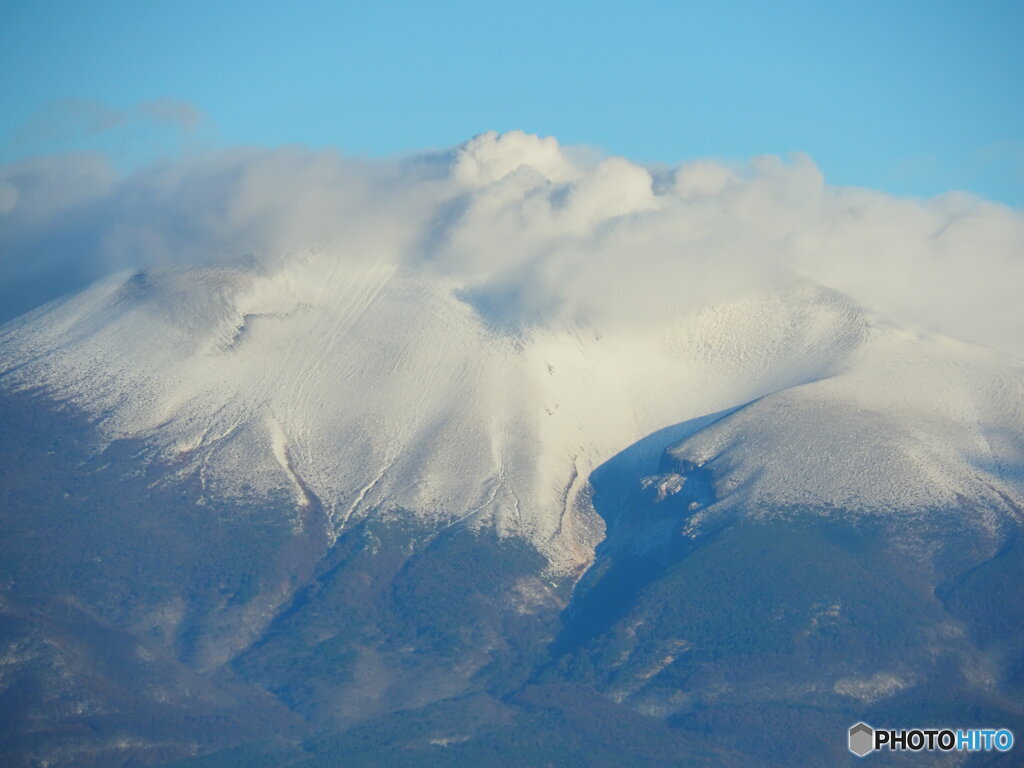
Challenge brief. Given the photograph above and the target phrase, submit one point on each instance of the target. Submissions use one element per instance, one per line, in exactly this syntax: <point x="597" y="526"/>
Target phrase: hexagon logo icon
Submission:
<point x="862" y="739"/>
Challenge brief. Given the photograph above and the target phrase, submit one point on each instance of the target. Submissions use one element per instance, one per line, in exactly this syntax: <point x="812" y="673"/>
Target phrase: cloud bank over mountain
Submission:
<point x="529" y="229"/>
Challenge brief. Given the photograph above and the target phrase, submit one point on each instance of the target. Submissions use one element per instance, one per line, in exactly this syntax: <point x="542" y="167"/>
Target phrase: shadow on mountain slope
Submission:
<point x="770" y="631"/>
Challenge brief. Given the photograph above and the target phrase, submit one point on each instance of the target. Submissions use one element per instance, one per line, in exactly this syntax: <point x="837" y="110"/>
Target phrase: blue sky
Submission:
<point x="911" y="97"/>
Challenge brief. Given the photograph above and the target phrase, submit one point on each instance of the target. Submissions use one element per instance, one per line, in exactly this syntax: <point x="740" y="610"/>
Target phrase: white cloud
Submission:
<point x="530" y="230"/>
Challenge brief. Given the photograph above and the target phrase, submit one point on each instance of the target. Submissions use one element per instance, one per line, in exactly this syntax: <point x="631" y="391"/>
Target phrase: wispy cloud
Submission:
<point x="68" y="119"/>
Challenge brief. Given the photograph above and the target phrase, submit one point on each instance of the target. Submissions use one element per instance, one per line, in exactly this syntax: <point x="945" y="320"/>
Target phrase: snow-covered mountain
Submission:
<point x="370" y="390"/>
<point x="443" y="443"/>
<point x="397" y="367"/>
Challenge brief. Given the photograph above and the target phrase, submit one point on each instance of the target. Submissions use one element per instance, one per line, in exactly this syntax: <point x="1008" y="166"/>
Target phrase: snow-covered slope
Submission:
<point x="911" y="425"/>
<point x="378" y="389"/>
<point x="366" y="385"/>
